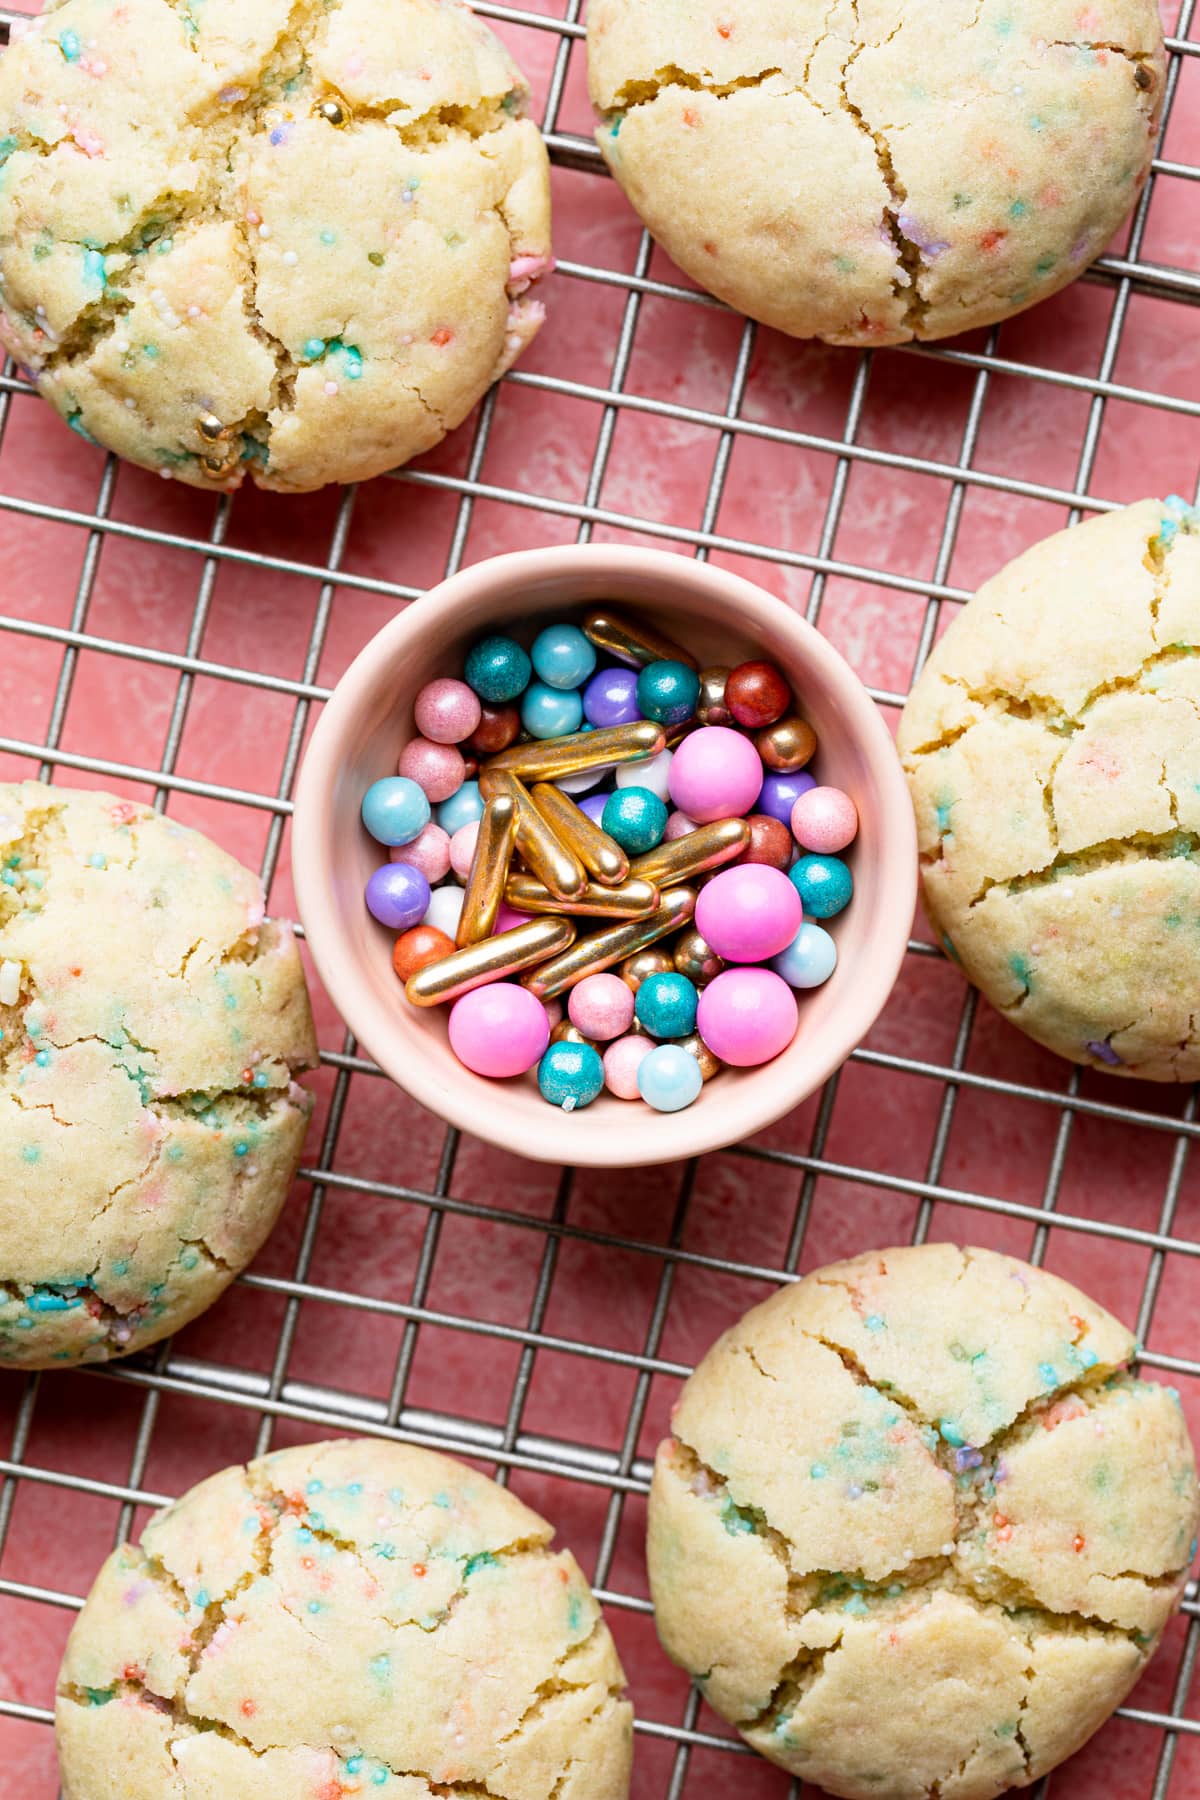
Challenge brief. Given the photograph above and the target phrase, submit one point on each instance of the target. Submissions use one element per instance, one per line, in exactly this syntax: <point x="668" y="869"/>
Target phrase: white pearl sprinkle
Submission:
<point x="121" y="345"/>
<point x="331" y="388"/>
<point x="264" y="231"/>
<point x="130" y="402"/>
<point x="290" y="258"/>
<point x="193" y="311"/>
<point x="10" y="983"/>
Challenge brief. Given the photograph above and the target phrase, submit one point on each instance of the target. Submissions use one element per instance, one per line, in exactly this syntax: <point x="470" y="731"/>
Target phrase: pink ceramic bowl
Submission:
<point x="721" y="619"/>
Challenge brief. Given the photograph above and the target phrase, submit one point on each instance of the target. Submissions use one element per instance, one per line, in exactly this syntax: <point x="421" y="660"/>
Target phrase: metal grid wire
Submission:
<point x="278" y="1396"/>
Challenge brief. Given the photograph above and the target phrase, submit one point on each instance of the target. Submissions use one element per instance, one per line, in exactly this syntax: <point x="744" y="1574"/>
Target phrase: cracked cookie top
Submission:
<point x="917" y="1529"/>
<point x="343" y="1618"/>
<point x="872" y="171"/>
<point x="293" y="238"/>
<point x="151" y="1023"/>
<point x="1052" y="745"/>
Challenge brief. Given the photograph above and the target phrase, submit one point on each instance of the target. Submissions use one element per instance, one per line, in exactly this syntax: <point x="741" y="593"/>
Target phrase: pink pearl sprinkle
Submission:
<point x="678" y="826"/>
<point x="824" y="821"/>
<point x="622" y="1061"/>
<point x="437" y="769"/>
<point x="601" y="1007"/>
<point x="748" y="913"/>
<point x="716" y="774"/>
<point x="447" y="711"/>
<point x="499" y="1031"/>
<point x="430" y="852"/>
<point x="748" y="1017"/>
<point x="462" y="849"/>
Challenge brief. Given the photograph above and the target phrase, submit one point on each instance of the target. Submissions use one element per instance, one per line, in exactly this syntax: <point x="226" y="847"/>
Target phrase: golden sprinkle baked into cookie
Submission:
<point x="872" y="171"/>
<point x="151" y="1023"/>
<point x="917" y="1529"/>
<point x="1052" y="745"/>
<point x="343" y="1618"/>
<point x="289" y="238"/>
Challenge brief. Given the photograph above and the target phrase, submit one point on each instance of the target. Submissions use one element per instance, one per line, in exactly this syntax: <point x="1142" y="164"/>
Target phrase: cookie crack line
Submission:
<point x="1176" y="845"/>
<point x="910" y="261"/>
<point x="644" y="91"/>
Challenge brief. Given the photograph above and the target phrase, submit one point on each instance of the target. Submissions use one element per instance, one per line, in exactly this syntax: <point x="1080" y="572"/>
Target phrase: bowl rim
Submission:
<point x="694" y="1132"/>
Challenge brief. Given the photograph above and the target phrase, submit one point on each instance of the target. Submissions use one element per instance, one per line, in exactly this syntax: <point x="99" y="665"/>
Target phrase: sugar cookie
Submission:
<point x="267" y="236"/>
<point x="343" y="1618"/>
<point x="917" y="1531"/>
<point x="151" y="1021"/>
<point x="1052" y="745"/>
<point x="878" y="170"/>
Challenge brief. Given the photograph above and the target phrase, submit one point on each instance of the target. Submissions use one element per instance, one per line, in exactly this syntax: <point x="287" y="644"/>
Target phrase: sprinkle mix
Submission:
<point x="597" y="821"/>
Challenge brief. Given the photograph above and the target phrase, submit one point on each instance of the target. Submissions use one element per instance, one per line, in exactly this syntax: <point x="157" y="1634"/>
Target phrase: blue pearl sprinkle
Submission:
<point x="563" y="657"/>
<point x="571" y="1076"/>
<point x="636" y="818"/>
<point x="395" y="811"/>
<point x="669" y="1079"/>
<point x="668" y="692"/>
<point x="825" y="885"/>
<point x="809" y="959"/>
<point x="498" y="670"/>
<point x="666" y="1005"/>
<point x="548" y="712"/>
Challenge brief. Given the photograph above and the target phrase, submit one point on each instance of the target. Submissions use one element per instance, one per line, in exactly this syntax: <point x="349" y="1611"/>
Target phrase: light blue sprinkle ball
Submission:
<point x="548" y="712"/>
<point x="809" y="959"/>
<point x="395" y="811"/>
<point x="669" y="1079"/>
<point x="563" y="657"/>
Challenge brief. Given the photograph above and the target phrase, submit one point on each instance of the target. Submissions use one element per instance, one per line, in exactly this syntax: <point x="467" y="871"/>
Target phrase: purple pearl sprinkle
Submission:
<point x="610" y="698"/>
<point x="1105" y="1053"/>
<point x="967" y="1458"/>
<point x="779" y="793"/>
<point x="398" y="896"/>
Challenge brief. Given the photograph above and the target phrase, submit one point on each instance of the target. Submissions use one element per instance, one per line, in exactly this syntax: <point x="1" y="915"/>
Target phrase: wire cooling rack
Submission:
<point x="421" y="1286"/>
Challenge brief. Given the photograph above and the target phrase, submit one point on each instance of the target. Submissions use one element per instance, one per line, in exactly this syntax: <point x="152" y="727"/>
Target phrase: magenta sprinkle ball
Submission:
<point x="499" y="1031"/>
<point x="748" y="1017"/>
<point x="749" y="913"/>
<point x="715" y="774"/>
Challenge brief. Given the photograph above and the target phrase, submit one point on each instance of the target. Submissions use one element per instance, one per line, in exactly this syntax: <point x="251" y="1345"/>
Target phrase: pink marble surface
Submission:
<point x="884" y="1120"/>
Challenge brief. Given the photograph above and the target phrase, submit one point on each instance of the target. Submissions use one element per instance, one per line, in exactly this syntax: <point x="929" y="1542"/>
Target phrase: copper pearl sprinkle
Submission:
<point x="787" y="746"/>
<point x="592" y="955"/>
<point x="553" y="758"/>
<point x="696" y="959"/>
<point x="696" y="1046"/>
<point x="705" y="848"/>
<point x="635" y="900"/>
<point x="508" y="954"/>
<point x="710" y="707"/>
<point x="636" y="969"/>
<point x="601" y="855"/>
<point x="556" y="867"/>
<point x="632" y="642"/>
<point x="489" y="870"/>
